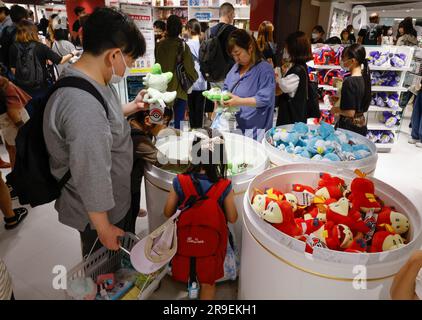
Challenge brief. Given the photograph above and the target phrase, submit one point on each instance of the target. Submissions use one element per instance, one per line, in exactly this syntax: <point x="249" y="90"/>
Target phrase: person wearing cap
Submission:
<point x="5" y="20"/>
<point x="407" y="284"/>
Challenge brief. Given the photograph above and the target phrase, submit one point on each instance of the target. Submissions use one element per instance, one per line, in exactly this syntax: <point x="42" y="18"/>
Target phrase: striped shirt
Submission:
<point x="5" y="283"/>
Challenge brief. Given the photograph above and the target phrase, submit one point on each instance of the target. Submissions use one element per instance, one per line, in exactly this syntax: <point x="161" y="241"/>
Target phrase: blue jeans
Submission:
<point x="417" y="118"/>
<point x="179" y="112"/>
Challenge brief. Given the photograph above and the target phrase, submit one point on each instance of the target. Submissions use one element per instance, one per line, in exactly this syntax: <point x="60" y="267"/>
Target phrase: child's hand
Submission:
<point x="139" y="103"/>
<point x="335" y="110"/>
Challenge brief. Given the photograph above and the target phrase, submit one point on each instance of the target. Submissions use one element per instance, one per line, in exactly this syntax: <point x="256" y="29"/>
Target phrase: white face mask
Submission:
<point x="390" y="32"/>
<point x="116" y="78"/>
<point x="343" y="66"/>
<point x="314" y="36"/>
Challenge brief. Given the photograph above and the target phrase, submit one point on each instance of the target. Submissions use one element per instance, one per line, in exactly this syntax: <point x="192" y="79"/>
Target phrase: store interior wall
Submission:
<point x="309" y="16"/>
<point x="261" y="10"/>
<point x="89" y="6"/>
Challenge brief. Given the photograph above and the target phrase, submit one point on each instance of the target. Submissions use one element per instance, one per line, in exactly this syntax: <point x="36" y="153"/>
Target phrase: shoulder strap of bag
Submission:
<point x="82" y="84"/>
<point x="217" y="190"/>
<point x="187" y="185"/>
<point x="221" y="30"/>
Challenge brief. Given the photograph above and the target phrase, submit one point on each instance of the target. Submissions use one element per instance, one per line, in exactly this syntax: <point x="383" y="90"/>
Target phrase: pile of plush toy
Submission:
<point x="390" y="119"/>
<point x="381" y="136"/>
<point x="385" y="100"/>
<point x="323" y="143"/>
<point x="327" y="55"/>
<point x="385" y="78"/>
<point x="334" y="216"/>
<point x="326" y="77"/>
<point x="378" y="58"/>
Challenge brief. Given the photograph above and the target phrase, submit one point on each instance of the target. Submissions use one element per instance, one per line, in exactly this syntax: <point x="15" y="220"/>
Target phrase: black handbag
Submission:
<point x="185" y="81"/>
<point x="312" y="101"/>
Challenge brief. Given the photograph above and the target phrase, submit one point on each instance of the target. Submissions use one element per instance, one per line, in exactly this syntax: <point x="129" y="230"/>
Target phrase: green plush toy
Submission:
<point x="216" y="95"/>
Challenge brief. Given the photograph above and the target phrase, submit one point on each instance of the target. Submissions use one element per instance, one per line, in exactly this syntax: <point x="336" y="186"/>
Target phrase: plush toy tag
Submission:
<point x="304" y="198"/>
<point x="370" y="197"/>
<point x="371" y="222"/>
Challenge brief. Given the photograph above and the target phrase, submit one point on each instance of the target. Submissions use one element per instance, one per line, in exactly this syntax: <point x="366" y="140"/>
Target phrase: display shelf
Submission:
<point x="386" y="68"/>
<point x="324" y="106"/>
<point x="384" y="147"/>
<point x="381" y="109"/>
<point x="388" y="89"/>
<point x="326" y="87"/>
<point x="381" y="126"/>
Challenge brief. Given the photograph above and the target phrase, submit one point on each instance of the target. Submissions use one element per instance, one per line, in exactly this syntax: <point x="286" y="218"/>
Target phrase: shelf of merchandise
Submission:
<point x="373" y="123"/>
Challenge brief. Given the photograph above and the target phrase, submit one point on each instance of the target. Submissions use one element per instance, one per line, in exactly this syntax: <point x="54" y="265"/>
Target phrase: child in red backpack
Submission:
<point x="206" y="176"/>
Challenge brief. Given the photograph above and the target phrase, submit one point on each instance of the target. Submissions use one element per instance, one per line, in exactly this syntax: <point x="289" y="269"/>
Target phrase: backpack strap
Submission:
<point x="217" y="190"/>
<point x="187" y="185"/>
<point x="84" y="85"/>
<point x="221" y="30"/>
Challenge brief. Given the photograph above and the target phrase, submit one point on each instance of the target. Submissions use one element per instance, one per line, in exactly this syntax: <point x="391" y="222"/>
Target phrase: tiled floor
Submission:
<point x="41" y="243"/>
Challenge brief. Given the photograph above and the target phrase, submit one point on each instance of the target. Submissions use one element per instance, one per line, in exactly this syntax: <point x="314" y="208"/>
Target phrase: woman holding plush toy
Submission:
<point x="355" y="92"/>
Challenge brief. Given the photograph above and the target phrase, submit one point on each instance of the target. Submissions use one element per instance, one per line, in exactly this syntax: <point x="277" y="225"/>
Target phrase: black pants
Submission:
<point x="196" y="105"/>
<point x="89" y="236"/>
<point x="134" y="209"/>
<point x="346" y="124"/>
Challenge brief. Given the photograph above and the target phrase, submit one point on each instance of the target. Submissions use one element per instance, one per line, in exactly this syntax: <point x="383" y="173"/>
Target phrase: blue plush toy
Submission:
<point x="325" y="130"/>
<point x="331" y="157"/>
<point x="301" y="128"/>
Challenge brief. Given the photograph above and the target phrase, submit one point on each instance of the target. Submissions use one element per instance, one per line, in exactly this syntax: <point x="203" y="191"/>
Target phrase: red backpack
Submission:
<point x="202" y="234"/>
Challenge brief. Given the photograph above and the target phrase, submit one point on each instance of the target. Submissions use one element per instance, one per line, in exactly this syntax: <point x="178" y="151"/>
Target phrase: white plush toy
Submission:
<point x="157" y="82"/>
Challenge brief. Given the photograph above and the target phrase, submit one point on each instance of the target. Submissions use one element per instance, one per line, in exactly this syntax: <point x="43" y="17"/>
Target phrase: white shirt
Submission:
<point x="289" y="84"/>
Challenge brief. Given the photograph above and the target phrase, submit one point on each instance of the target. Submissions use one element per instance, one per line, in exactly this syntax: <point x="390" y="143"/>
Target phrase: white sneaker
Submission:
<point x="419" y="144"/>
<point x="412" y="141"/>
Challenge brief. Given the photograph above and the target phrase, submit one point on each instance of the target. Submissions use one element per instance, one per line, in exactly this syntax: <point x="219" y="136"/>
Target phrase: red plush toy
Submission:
<point x="392" y="221"/>
<point x="286" y="221"/>
<point x="274" y="194"/>
<point x="330" y="187"/>
<point x="308" y="226"/>
<point x="340" y="213"/>
<point x="315" y="213"/>
<point x="362" y="194"/>
<point x="305" y="195"/>
<point x="336" y="237"/>
<point x="385" y="240"/>
<point x="357" y="246"/>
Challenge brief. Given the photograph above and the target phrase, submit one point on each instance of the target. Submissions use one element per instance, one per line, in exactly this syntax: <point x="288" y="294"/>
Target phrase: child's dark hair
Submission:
<point x="108" y="28"/>
<point x="194" y="27"/>
<point x="358" y="52"/>
<point x="159" y="24"/>
<point x="214" y="163"/>
<point x="141" y="115"/>
<point x="61" y="34"/>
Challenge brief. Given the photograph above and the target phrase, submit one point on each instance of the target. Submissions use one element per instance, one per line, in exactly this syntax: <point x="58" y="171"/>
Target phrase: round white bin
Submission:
<point x="280" y="157"/>
<point x="275" y="265"/>
<point x="158" y="182"/>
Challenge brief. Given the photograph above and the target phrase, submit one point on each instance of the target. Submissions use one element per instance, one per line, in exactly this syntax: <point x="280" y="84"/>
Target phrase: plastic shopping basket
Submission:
<point x="105" y="261"/>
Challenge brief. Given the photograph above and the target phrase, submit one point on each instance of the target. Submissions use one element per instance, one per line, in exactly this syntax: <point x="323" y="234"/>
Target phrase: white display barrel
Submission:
<point x="275" y="265"/>
<point x="159" y="182"/>
<point x="281" y="157"/>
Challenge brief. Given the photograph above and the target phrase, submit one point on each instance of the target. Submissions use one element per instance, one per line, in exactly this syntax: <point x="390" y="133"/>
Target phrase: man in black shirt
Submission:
<point x="80" y="12"/>
<point x="227" y="15"/>
<point x="372" y="34"/>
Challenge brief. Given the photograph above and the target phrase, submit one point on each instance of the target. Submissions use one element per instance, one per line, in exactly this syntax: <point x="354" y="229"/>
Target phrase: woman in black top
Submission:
<point x="294" y="83"/>
<point x="27" y="49"/>
<point x="265" y="41"/>
<point x="356" y="91"/>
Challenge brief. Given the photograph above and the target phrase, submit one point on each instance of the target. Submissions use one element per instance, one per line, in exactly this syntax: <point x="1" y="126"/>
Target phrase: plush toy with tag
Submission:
<point x="385" y="241"/>
<point x="219" y="96"/>
<point x="336" y="237"/>
<point x="392" y="221"/>
<point x="156" y="83"/>
<point x="281" y="216"/>
<point x="341" y="213"/>
<point x="308" y="226"/>
<point x="362" y="194"/>
<point x="330" y="187"/>
<point x="358" y="246"/>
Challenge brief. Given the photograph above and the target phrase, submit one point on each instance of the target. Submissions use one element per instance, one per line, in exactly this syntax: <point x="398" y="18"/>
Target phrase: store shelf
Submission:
<point x="323" y="106"/>
<point x="388" y="89"/>
<point x="327" y="87"/>
<point x="386" y="68"/>
<point x="171" y="7"/>
<point x="381" y="109"/>
<point x="384" y="147"/>
<point x="381" y="126"/>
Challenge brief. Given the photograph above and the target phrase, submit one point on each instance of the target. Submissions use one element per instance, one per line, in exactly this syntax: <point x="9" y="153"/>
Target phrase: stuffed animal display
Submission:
<point x="385" y="78"/>
<point x="385" y="100"/>
<point x="327" y="55"/>
<point x="383" y="137"/>
<point x="378" y="58"/>
<point x="390" y="119"/>
<point x="322" y="144"/>
<point x="157" y="96"/>
<point x="333" y="215"/>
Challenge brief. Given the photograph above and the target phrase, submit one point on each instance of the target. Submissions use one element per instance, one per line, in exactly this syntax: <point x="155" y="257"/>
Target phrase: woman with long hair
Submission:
<point x="196" y="101"/>
<point x="27" y="46"/>
<point x="265" y="41"/>
<point x="355" y="92"/>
